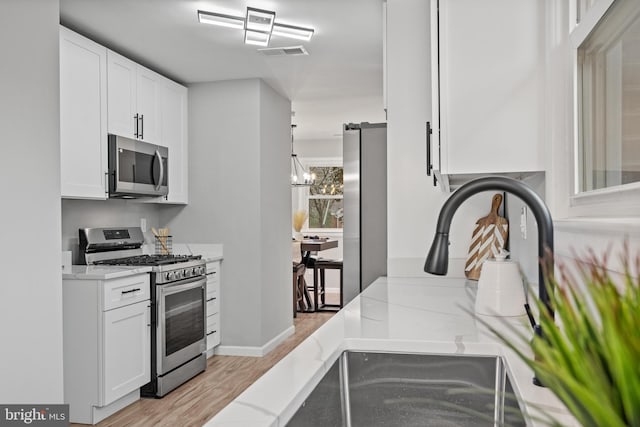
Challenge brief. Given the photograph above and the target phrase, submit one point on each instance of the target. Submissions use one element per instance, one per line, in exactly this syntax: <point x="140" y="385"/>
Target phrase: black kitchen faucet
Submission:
<point x="438" y="258"/>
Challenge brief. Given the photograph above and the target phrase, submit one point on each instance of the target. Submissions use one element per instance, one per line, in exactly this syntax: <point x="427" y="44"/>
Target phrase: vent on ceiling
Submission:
<point x="283" y="51"/>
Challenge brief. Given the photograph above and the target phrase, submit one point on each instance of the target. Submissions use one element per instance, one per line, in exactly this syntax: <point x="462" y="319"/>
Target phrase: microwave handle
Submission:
<point x="161" y="178"/>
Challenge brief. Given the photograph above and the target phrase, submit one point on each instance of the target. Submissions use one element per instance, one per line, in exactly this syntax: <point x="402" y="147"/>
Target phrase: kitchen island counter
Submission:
<point x="418" y="315"/>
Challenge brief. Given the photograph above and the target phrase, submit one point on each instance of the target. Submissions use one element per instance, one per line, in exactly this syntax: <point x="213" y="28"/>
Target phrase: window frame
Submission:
<point x="622" y="200"/>
<point x="301" y="200"/>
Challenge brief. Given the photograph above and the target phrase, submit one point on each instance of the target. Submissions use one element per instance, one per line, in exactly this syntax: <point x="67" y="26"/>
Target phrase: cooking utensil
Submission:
<point x="162" y="235"/>
<point x="489" y="237"/>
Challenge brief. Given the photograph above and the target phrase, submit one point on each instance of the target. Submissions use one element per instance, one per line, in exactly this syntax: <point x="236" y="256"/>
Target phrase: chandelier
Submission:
<point x="300" y="177"/>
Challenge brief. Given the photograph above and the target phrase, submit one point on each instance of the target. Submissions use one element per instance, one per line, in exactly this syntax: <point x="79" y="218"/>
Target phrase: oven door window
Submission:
<point x="184" y="319"/>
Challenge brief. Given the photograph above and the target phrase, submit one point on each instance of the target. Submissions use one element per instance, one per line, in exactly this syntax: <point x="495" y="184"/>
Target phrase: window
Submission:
<point x="608" y="86"/>
<point x="326" y="197"/>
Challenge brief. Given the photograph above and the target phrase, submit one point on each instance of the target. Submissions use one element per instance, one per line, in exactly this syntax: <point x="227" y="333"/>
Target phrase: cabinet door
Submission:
<point x="174" y="136"/>
<point x="83" y="118"/>
<point x="121" y="83"/>
<point x="127" y="346"/>
<point x="491" y="71"/>
<point x="148" y="105"/>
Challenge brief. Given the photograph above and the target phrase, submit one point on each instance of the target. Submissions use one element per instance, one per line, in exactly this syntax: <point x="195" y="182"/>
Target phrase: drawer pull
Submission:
<point x="211" y="333"/>
<point x="130" y="291"/>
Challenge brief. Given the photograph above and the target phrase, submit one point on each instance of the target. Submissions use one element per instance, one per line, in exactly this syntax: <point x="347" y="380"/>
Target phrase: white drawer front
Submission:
<point x="213" y="271"/>
<point x="213" y="290"/>
<point x="125" y="291"/>
<point x="213" y="331"/>
<point x="212" y="322"/>
<point x="213" y="306"/>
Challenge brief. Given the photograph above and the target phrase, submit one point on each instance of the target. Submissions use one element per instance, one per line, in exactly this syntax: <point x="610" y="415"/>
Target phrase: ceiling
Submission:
<point x="340" y="81"/>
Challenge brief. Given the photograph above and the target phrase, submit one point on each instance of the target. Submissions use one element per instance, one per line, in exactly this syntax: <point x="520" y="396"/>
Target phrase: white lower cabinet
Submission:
<point x="213" y="306"/>
<point x="107" y="343"/>
<point x="126" y="337"/>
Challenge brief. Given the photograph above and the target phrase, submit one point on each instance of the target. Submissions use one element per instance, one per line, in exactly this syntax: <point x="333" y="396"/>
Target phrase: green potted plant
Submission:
<point x="589" y="355"/>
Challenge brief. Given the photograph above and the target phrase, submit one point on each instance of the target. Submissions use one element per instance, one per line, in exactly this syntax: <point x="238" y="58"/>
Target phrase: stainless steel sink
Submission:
<point x="400" y="389"/>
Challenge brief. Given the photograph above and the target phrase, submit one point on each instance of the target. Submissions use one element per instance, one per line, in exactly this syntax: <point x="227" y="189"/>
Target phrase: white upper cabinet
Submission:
<point x="83" y="117"/>
<point x="174" y="135"/>
<point x="134" y="99"/>
<point x="487" y="87"/>
<point x="101" y="93"/>
<point x="148" y="85"/>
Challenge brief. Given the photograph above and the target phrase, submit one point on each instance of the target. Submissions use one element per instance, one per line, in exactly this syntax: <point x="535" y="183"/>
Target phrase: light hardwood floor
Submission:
<point x="195" y="402"/>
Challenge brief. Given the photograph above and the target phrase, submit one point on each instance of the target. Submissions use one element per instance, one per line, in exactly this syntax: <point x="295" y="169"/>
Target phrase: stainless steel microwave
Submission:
<point x="136" y="168"/>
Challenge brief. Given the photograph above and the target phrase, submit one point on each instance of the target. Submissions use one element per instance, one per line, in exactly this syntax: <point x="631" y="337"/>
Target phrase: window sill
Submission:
<point x="618" y="202"/>
<point x="606" y="226"/>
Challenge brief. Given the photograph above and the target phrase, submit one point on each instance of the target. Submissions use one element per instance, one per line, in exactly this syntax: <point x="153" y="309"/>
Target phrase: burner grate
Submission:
<point x="152" y="260"/>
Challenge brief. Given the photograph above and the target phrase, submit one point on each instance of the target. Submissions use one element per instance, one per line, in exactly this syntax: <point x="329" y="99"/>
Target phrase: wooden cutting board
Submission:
<point x="489" y="237"/>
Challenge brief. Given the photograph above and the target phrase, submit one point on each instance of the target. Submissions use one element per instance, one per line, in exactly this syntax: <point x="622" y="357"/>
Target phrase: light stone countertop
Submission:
<point x="210" y="252"/>
<point x="101" y="272"/>
<point x="418" y="315"/>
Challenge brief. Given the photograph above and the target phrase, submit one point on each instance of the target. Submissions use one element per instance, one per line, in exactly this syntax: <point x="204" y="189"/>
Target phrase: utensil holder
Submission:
<point x="163" y="245"/>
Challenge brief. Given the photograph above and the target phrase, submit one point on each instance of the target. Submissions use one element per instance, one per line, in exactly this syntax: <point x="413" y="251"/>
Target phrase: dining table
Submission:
<point x="309" y="246"/>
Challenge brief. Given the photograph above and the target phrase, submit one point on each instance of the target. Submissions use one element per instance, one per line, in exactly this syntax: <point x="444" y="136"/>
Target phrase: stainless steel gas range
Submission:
<point x="178" y="298"/>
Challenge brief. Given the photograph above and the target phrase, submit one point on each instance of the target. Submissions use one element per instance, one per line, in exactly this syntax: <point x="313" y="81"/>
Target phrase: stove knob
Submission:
<point x="179" y="274"/>
<point x="201" y="270"/>
<point x="169" y="275"/>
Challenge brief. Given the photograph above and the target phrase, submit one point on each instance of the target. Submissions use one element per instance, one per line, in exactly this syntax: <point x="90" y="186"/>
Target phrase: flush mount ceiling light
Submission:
<point x="220" y="19"/>
<point x="258" y="25"/>
<point x="292" y="32"/>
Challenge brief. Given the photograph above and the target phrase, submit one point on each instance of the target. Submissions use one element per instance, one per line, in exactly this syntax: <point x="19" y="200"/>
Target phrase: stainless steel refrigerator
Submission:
<point x="365" y="206"/>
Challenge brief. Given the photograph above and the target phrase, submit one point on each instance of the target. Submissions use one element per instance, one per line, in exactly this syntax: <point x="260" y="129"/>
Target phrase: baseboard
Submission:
<point x="253" y="351"/>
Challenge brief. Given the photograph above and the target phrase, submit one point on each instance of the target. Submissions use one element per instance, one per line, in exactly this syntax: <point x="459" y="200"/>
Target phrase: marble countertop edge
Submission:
<point x="375" y="322"/>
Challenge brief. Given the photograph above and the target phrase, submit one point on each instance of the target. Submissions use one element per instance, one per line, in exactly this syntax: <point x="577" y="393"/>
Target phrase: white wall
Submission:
<point x="524" y="246"/>
<point x="413" y="201"/>
<point x="239" y="192"/>
<point x="31" y="291"/>
<point x="78" y="214"/>
<point x="313" y="148"/>
<point x="275" y="213"/>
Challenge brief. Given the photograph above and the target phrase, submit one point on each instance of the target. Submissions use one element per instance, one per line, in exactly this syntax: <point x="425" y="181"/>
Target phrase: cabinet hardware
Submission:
<point x="429" y="165"/>
<point x="136" y="119"/>
<point x="141" y="126"/>
<point x="435" y="180"/>
<point x="130" y="291"/>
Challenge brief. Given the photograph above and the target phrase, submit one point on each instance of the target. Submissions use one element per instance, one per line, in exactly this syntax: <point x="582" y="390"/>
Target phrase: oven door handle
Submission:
<point x="182" y="285"/>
